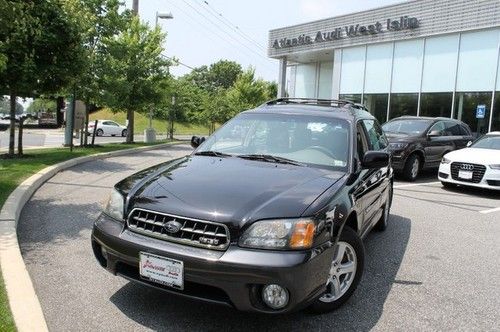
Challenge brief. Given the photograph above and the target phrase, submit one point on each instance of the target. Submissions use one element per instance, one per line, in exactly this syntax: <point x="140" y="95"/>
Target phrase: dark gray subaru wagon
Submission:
<point x="267" y="214"/>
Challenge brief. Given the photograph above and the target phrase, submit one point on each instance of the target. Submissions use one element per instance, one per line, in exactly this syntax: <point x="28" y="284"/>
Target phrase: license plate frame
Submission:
<point x="465" y="175"/>
<point x="161" y="270"/>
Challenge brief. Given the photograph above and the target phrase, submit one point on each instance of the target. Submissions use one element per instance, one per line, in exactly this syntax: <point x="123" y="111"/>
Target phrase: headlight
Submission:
<point x="114" y="207"/>
<point x="496" y="166"/>
<point x="397" y="146"/>
<point x="279" y="234"/>
<point x="445" y="160"/>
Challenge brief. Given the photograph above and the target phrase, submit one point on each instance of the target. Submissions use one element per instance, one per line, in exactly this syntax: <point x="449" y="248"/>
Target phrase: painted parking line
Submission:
<point x="490" y="210"/>
<point x="414" y="184"/>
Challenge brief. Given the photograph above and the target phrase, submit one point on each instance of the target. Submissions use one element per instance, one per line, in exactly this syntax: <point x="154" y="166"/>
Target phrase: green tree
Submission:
<point x="219" y="75"/>
<point x="42" y="104"/>
<point x="98" y="20"/>
<point x="248" y="92"/>
<point x="189" y="102"/>
<point x="136" y="71"/>
<point x="42" y="45"/>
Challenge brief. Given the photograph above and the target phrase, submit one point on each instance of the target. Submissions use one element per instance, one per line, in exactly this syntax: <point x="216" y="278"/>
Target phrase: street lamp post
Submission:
<point x="149" y="133"/>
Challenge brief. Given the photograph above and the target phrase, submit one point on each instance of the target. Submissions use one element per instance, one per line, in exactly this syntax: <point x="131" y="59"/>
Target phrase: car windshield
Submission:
<point x="487" y="142"/>
<point x="408" y="127"/>
<point x="284" y="138"/>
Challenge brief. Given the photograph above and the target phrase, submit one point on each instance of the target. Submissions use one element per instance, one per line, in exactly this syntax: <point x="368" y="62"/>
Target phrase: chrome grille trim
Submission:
<point x="151" y="223"/>
<point x="477" y="171"/>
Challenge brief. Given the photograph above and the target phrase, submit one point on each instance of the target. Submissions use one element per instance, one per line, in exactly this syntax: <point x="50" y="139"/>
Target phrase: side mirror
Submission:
<point x="375" y="159"/>
<point x="434" y="133"/>
<point x="469" y="143"/>
<point x="196" y="141"/>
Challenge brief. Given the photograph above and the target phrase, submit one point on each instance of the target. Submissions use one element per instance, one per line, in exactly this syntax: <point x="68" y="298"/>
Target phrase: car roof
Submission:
<point x="344" y="110"/>
<point x="493" y="133"/>
<point x="413" y="117"/>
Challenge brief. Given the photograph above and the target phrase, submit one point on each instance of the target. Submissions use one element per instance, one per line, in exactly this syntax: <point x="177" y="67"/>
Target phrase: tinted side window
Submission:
<point x="376" y="138"/>
<point x="438" y="126"/>
<point x="361" y="141"/>
<point x="464" y="131"/>
<point x="452" y="129"/>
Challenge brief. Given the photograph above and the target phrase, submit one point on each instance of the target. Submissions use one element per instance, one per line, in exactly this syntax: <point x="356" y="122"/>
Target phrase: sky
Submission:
<point x="201" y="33"/>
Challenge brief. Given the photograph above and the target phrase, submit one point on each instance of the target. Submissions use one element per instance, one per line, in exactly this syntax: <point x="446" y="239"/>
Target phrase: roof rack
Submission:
<point x="311" y="101"/>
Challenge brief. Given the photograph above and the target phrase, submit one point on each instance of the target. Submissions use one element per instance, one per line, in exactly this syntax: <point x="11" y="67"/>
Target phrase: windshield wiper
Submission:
<point x="271" y="158"/>
<point x="212" y="153"/>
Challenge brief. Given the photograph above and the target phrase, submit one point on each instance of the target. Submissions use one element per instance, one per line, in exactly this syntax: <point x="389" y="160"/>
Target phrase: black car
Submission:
<point x="266" y="215"/>
<point x="421" y="142"/>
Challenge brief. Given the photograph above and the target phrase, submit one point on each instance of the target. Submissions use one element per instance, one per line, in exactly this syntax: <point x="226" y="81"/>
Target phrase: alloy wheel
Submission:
<point x="415" y="167"/>
<point x="342" y="272"/>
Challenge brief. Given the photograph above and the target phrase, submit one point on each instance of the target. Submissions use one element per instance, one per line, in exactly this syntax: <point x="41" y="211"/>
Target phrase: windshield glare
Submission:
<point x="315" y="141"/>
<point x="487" y="142"/>
<point x="409" y="127"/>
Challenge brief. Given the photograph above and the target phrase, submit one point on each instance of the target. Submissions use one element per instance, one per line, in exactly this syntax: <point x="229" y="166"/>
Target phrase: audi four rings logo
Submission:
<point x="467" y="167"/>
<point x="172" y="226"/>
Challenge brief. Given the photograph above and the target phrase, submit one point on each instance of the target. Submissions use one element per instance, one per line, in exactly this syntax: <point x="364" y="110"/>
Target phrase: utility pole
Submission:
<point x="135" y="7"/>
<point x="130" y="112"/>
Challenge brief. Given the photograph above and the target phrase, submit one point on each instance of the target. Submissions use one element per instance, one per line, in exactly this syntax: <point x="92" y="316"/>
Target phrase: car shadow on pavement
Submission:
<point x="478" y="192"/>
<point x="384" y="253"/>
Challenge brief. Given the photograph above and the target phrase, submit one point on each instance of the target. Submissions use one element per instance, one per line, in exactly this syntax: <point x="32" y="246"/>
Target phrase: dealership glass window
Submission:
<point x="325" y="80"/>
<point x="440" y="63"/>
<point x="495" y="121"/>
<point x="478" y="56"/>
<point x="352" y="70"/>
<point x="466" y="110"/>
<point x="356" y="98"/>
<point x="377" y="105"/>
<point x="378" y="68"/>
<point x="403" y="104"/>
<point x="436" y="104"/>
<point x="407" y="68"/>
<point x="305" y="80"/>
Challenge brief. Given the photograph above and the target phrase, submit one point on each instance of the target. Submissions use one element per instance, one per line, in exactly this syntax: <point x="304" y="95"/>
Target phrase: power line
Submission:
<point x="216" y="33"/>
<point x="176" y="61"/>
<point x="224" y="31"/>
<point x="233" y="26"/>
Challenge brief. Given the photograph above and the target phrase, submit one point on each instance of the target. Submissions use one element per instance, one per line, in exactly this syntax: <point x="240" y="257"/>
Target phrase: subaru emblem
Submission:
<point x="172" y="226"/>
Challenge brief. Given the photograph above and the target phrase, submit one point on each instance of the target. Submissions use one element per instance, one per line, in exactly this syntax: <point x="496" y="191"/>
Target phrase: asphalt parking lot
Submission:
<point x="435" y="268"/>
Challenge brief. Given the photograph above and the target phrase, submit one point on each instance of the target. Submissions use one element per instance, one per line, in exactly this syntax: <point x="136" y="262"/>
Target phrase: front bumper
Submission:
<point x="490" y="179"/>
<point x="233" y="277"/>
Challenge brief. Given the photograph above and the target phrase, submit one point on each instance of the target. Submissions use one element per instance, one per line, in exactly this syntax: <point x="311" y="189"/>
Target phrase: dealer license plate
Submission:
<point x="162" y="270"/>
<point x="465" y="175"/>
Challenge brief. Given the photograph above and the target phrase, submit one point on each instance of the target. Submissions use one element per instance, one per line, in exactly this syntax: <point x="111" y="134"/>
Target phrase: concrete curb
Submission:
<point x="23" y="301"/>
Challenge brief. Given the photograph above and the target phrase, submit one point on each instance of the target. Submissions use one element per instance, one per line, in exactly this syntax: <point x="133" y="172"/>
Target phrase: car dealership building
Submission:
<point x="424" y="57"/>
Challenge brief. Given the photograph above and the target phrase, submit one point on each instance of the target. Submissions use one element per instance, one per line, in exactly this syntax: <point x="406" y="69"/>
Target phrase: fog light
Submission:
<point x="104" y="253"/>
<point x="275" y="296"/>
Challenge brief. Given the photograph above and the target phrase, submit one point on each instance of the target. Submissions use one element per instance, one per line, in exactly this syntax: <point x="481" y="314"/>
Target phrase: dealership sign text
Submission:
<point x="349" y="31"/>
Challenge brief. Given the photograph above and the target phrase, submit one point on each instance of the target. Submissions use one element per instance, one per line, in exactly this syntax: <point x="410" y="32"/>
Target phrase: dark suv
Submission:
<point x="421" y="142"/>
<point x="266" y="215"/>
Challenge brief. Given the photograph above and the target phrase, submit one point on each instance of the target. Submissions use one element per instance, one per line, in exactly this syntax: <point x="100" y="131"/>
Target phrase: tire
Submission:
<point x="351" y="243"/>
<point x="381" y="225"/>
<point x="412" y="167"/>
<point x="124" y="132"/>
<point x="99" y="132"/>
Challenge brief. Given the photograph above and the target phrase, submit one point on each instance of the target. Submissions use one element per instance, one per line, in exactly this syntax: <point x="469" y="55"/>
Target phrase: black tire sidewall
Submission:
<point x="408" y="167"/>
<point x="348" y="235"/>
<point x="99" y="132"/>
<point x="124" y="132"/>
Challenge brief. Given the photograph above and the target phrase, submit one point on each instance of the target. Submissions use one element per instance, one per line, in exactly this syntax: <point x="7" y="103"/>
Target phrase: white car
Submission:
<point x="107" y="128"/>
<point x="477" y="165"/>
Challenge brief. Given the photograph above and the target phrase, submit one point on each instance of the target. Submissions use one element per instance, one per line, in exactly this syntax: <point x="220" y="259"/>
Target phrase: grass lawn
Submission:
<point x="15" y="171"/>
<point x="141" y="122"/>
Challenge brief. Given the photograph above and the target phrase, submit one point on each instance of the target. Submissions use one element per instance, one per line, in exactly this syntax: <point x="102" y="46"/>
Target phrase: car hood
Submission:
<point x="228" y="190"/>
<point x="399" y="137"/>
<point x="475" y="156"/>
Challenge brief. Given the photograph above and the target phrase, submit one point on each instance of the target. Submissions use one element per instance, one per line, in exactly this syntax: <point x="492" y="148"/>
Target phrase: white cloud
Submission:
<point x="317" y="9"/>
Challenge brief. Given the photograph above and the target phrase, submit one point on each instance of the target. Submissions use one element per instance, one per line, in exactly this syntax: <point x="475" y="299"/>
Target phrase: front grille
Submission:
<point x="477" y="171"/>
<point x="494" y="182"/>
<point x="193" y="232"/>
